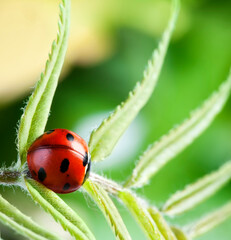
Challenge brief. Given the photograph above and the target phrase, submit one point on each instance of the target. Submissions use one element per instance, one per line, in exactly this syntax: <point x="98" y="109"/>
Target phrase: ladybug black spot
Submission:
<point x="50" y="131"/>
<point x="66" y="186"/>
<point x="85" y="159"/>
<point x="70" y="137"/>
<point x="42" y="174"/>
<point x="64" y="165"/>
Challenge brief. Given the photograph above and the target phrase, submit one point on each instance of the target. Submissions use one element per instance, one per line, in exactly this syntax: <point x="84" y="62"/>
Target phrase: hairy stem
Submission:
<point x="9" y="177"/>
<point x="109" y="185"/>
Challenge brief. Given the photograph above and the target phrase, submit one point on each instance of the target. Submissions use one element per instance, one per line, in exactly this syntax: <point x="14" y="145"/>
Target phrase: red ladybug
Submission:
<point x="60" y="160"/>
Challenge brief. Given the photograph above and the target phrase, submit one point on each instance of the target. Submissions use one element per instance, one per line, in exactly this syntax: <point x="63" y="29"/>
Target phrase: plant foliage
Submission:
<point x="159" y="153"/>
<point x="36" y="113"/>
<point x="102" y="142"/>
<point x="105" y="137"/>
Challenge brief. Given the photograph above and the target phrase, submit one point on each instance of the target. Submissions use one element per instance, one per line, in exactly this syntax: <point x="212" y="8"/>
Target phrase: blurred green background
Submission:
<point x="96" y="79"/>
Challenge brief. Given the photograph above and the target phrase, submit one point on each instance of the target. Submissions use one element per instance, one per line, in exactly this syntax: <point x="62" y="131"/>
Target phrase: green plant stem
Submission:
<point x="109" y="185"/>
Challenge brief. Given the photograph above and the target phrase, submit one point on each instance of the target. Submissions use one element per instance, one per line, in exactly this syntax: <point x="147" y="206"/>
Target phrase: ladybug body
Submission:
<point x="60" y="160"/>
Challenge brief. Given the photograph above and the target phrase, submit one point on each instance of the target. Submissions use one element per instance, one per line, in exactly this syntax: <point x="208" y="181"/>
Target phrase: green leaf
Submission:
<point x="59" y="210"/>
<point x="34" y="118"/>
<point x="103" y="139"/>
<point x="180" y="235"/>
<point x="198" y="192"/>
<point x="157" y="155"/>
<point x="142" y="211"/>
<point x="104" y="202"/>
<point x="11" y="216"/>
<point x="138" y="208"/>
<point x="20" y="229"/>
<point x="210" y="221"/>
<point x="161" y="224"/>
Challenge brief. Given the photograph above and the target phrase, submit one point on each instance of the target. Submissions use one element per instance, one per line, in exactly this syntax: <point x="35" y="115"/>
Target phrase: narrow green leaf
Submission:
<point x="161" y="224"/>
<point x="198" y="192"/>
<point x="59" y="210"/>
<point x="103" y="139"/>
<point x="142" y="208"/>
<point x="36" y="113"/>
<point x="180" y="235"/>
<point x="24" y="225"/>
<point x="20" y="229"/>
<point x="138" y="208"/>
<point x="104" y="202"/>
<point x="210" y="221"/>
<point x="157" y="155"/>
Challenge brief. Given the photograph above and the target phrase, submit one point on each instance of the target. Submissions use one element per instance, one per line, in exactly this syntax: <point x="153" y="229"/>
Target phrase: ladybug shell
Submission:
<point x="59" y="159"/>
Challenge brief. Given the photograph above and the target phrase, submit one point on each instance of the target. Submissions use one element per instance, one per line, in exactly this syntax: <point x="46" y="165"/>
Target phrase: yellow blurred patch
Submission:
<point x="27" y="29"/>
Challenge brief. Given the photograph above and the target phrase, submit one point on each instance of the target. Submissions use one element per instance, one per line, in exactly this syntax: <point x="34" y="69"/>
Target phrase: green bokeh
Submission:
<point x="196" y="63"/>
